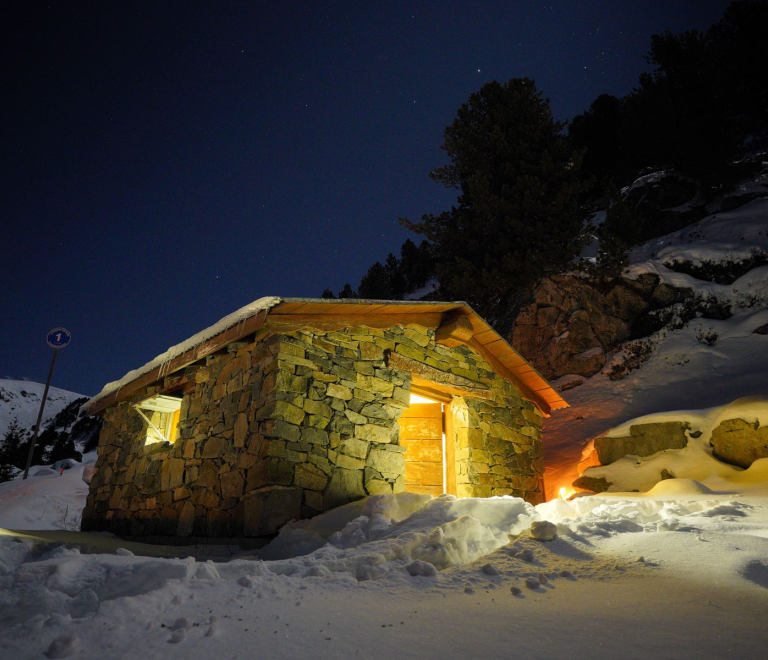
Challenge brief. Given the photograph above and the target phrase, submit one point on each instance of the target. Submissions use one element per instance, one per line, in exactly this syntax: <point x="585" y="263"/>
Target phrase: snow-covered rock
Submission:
<point x="543" y="530"/>
<point x="695" y="460"/>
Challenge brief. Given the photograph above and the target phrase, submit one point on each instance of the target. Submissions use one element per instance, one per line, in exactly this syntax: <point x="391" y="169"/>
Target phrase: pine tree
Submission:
<point x="618" y="232"/>
<point x="13" y="452"/>
<point x="416" y="264"/>
<point x="398" y="285"/>
<point x="347" y="292"/>
<point x="703" y="105"/>
<point x="376" y="283"/>
<point x="597" y="132"/>
<point x="7" y="472"/>
<point x="518" y="216"/>
<point x="63" y="447"/>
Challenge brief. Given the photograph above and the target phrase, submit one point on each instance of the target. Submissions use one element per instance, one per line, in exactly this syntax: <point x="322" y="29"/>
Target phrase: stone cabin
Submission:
<point x="289" y="407"/>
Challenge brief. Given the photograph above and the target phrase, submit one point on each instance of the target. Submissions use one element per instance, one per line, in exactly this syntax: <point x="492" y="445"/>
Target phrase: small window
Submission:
<point x="161" y="413"/>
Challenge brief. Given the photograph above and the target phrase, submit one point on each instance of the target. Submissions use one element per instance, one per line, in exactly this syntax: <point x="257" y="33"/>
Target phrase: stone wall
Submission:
<point x="643" y="440"/>
<point x="498" y="448"/>
<point x="213" y="480"/>
<point x="296" y="423"/>
<point x="336" y="431"/>
<point x="733" y="441"/>
<point x="333" y="424"/>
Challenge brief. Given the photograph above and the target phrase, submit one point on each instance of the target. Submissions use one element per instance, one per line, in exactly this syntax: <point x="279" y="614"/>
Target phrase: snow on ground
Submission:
<point x="46" y="499"/>
<point x="683" y="372"/>
<point x="20" y="401"/>
<point x="733" y="234"/>
<point x="679" y="572"/>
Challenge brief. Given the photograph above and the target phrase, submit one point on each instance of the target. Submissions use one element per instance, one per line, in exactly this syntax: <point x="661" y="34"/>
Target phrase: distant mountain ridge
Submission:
<point x="65" y="431"/>
<point x="20" y="401"/>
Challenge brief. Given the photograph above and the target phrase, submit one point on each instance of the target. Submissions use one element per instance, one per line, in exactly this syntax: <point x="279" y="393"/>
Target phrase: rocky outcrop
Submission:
<point x="572" y="324"/>
<point x="664" y="202"/>
<point x="739" y="442"/>
<point x="643" y="440"/>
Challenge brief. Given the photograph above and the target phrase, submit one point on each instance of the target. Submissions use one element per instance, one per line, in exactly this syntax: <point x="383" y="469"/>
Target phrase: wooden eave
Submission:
<point x="454" y="322"/>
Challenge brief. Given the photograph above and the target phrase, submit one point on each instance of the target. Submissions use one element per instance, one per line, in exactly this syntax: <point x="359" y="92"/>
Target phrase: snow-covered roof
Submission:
<point x="247" y="319"/>
<point x="229" y="321"/>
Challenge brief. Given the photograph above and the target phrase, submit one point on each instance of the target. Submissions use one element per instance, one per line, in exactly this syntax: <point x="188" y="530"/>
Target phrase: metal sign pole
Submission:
<point x="33" y="442"/>
<point x="57" y="339"/>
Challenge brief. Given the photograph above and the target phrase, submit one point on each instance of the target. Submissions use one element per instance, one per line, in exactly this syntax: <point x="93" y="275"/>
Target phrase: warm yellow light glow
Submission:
<point x="563" y="493"/>
<point x="415" y="398"/>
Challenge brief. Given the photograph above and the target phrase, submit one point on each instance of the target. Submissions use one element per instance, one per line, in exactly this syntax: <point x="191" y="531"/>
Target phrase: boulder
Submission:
<point x="311" y="477"/>
<point x="643" y="440"/>
<point x="232" y="483"/>
<point x="215" y="447"/>
<point x="543" y="530"/>
<point x="374" y="433"/>
<point x="389" y="463"/>
<point x="739" y="442"/>
<point x="186" y="521"/>
<point x="172" y="474"/>
<point x="593" y="484"/>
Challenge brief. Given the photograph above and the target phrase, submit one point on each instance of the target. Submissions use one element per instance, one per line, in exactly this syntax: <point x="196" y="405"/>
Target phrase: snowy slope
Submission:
<point x="20" y="401"/>
<point x="721" y="235"/>
<point x="683" y="371"/>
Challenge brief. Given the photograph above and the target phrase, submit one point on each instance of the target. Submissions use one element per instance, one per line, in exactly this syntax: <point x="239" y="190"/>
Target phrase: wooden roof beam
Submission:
<point x="454" y="330"/>
<point x="331" y="322"/>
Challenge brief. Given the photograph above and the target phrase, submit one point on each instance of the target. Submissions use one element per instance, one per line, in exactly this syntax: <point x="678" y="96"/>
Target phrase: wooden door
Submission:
<point x="421" y="433"/>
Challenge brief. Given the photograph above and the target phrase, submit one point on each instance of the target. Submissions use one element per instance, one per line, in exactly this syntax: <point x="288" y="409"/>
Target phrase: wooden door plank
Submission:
<point x="422" y="410"/>
<point x="423" y="472"/>
<point x="423" y="450"/>
<point x="414" y="428"/>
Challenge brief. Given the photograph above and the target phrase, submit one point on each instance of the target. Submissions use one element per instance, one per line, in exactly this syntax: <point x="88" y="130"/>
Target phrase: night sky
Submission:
<point x="164" y="163"/>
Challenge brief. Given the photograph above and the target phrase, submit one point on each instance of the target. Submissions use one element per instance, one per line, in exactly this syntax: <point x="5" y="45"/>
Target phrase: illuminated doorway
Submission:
<point x="426" y="432"/>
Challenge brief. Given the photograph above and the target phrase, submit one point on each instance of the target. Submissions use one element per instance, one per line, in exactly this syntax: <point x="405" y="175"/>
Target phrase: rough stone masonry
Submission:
<point x="290" y="424"/>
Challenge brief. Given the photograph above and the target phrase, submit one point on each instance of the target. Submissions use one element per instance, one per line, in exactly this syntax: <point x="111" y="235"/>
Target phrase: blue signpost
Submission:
<point x="57" y="339"/>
